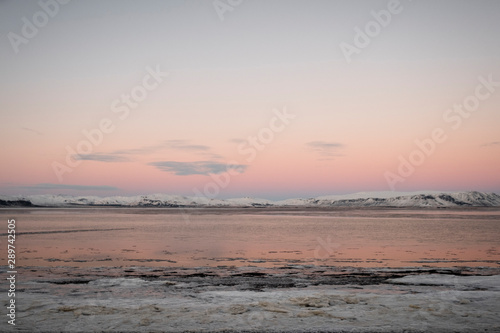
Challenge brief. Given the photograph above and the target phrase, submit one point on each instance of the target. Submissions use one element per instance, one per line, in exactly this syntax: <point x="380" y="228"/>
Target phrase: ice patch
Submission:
<point x="458" y="282"/>
<point x="119" y="282"/>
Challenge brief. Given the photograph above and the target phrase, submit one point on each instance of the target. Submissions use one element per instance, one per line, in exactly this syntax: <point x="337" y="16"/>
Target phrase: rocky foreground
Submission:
<point x="251" y="299"/>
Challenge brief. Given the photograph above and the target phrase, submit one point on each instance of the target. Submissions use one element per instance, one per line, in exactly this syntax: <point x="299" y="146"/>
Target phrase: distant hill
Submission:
<point x="15" y="203"/>
<point x="374" y="199"/>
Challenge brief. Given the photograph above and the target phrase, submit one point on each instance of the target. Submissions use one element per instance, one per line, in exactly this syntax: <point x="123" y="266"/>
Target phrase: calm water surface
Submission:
<point x="266" y="238"/>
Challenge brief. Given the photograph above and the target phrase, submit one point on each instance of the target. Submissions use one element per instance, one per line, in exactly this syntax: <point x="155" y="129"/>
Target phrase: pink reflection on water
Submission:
<point x="359" y="238"/>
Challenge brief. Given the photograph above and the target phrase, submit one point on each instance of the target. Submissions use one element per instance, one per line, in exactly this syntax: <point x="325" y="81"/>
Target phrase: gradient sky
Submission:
<point x="227" y="78"/>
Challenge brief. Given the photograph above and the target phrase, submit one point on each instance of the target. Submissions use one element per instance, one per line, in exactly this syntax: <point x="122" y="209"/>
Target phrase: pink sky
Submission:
<point x="349" y="124"/>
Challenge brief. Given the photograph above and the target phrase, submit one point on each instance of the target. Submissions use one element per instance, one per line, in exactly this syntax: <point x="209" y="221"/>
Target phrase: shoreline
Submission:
<point x="254" y="270"/>
<point x="244" y="277"/>
<point x="253" y="299"/>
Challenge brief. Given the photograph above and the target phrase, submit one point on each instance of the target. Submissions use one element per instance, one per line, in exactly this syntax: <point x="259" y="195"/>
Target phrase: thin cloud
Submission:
<point x="490" y="144"/>
<point x="109" y="158"/>
<point x="48" y="186"/>
<point x="210" y="156"/>
<point x="31" y="130"/>
<point x="165" y="145"/>
<point x="183" y="145"/>
<point x="138" y="151"/>
<point x="329" y="149"/>
<point x="235" y="140"/>
<point x="196" y="168"/>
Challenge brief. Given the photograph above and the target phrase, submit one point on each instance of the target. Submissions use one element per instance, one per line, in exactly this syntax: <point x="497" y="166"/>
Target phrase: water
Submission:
<point x="258" y="237"/>
<point x="117" y="269"/>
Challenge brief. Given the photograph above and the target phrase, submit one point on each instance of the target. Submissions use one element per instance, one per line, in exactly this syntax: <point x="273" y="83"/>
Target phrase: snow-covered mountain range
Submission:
<point x="364" y="199"/>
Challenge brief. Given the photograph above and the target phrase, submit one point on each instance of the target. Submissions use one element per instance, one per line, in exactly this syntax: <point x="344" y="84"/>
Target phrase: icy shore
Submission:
<point x="287" y="299"/>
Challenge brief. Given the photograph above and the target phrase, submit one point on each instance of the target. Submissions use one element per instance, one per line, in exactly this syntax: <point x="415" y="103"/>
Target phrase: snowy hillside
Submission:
<point x="460" y="199"/>
<point x="365" y="199"/>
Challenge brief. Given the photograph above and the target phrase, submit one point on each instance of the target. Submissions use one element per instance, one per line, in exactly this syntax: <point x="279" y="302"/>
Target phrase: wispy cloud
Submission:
<point x="184" y="145"/>
<point x="490" y="144"/>
<point x="138" y="151"/>
<point x="101" y="158"/>
<point x="209" y="155"/>
<point x="48" y="186"/>
<point x="165" y="145"/>
<point x="31" y="130"/>
<point x="179" y="168"/>
<point x="196" y="168"/>
<point x="328" y="149"/>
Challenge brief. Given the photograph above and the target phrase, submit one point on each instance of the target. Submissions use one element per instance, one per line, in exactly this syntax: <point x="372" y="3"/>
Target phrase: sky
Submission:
<point x="232" y="98"/>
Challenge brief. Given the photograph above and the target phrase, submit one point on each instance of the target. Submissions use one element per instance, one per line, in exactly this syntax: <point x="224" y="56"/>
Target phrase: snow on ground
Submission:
<point x="416" y="303"/>
<point x="458" y="282"/>
<point x="361" y="199"/>
<point x="379" y="194"/>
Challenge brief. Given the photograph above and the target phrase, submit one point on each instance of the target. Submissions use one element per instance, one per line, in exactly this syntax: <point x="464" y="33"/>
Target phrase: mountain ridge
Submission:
<point x="420" y="199"/>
